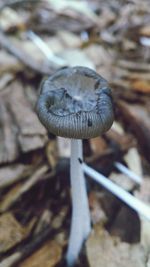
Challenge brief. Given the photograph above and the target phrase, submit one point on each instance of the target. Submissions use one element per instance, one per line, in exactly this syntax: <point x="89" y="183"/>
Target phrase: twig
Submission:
<point x="45" y="49"/>
<point x="7" y="44"/>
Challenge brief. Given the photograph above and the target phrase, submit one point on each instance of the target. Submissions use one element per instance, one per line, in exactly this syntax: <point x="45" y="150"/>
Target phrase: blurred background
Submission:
<point x="36" y="39"/>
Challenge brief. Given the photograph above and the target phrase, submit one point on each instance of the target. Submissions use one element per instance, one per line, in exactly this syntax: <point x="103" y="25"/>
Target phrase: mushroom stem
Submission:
<point x="80" y="224"/>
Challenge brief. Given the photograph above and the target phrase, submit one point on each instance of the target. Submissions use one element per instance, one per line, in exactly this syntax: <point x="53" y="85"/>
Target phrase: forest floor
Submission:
<point x="112" y="37"/>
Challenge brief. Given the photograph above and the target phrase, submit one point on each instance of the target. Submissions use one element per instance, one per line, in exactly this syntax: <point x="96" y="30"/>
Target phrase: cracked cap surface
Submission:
<point x="76" y="103"/>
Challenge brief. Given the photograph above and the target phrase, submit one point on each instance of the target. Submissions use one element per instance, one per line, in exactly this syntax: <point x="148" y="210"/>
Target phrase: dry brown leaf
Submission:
<point x="104" y="250"/>
<point x="47" y="256"/>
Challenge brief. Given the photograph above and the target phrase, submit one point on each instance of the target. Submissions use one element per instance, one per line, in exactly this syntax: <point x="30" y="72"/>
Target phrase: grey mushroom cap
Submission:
<point x="75" y="102"/>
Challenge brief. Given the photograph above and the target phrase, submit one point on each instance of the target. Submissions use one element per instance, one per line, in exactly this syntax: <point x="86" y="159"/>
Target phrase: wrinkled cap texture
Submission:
<point x="75" y="102"/>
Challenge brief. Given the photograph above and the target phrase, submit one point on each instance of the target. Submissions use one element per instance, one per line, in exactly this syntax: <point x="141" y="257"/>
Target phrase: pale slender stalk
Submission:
<point x="80" y="224"/>
<point x="131" y="201"/>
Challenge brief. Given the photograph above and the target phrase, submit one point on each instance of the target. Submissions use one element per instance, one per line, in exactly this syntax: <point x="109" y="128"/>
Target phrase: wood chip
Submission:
<point x="104" y="250"/>
<point x="13" y="173"/>
<point x="8" y="63"/>
<point x="145" y="30"/>
<point x="11" y="232"/>
<point x="17" y="191"/>
<point x="47" y="256"/>
<point x="122" y="180"/>
<point x="10" y="18"/>
<point x="21" y="129"/>
<point x="133" y="160"/>
<point x="8" y="140"/>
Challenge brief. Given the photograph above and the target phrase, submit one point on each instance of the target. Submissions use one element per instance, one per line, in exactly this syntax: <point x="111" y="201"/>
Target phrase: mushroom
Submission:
<point x="76" y="103"/>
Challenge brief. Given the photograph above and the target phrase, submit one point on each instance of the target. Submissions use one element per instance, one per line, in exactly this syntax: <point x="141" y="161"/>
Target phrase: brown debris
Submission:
<point x="13" y="173"/>
<point x="138" y="119"/>
<point x="7" y="44"/>
<point x="17" y="191"/>
<point x="9" y="63"/>
<point x="47" y="256"/>
<point x="9" y="147"/>
<point x="11" y="232"/>
<point x="21" y="128"/>
<point x="124" y="141"/>
<point x="97" y="213"/>
<point x="104" y="250"/>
